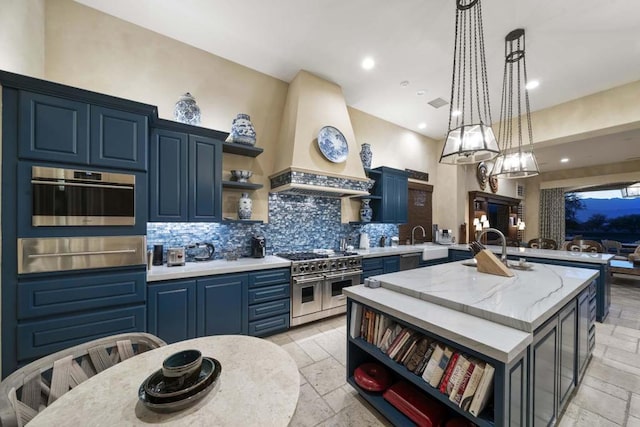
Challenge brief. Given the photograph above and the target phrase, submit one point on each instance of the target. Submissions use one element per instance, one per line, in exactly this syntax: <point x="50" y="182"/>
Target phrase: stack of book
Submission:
<point x="466" y="380"/>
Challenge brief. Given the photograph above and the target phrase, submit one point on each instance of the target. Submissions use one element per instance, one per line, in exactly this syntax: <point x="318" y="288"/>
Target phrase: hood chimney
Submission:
<point x="311" y="104"/>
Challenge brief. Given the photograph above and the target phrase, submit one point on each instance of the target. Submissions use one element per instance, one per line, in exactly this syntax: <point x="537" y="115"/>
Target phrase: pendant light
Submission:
<point x="515" y="161"/>
<point x="470" y="138"/>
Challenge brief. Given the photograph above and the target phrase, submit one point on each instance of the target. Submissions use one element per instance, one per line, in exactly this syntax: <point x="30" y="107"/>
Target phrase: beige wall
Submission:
<point x="121" y="59"/>
<point x="22" y="37"/>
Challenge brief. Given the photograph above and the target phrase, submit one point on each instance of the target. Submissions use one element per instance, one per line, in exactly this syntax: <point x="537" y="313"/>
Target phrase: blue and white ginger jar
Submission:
<point x="244" y="206"/>
<point x="242" y="130"/>
<point x="366" y="213"/>
<point x="186" y="110"/>
<point x="366" y="155"/>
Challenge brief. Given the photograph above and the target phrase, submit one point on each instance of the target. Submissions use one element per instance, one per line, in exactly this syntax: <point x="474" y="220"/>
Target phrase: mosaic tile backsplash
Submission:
<point x="296" y="223"/>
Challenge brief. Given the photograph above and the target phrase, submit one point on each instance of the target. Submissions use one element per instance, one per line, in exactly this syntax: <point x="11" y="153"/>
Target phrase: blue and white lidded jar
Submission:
<point x="242" y="130"/>
<point x="366" y="155"/>
<point x="366" y="213"/>
<point x="244" y="206"/>
<point x="186" y="110"/>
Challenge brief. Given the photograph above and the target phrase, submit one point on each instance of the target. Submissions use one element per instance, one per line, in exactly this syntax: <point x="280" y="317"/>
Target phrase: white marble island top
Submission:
<point x="586" y="257"/>
<point x="524" y="301"/>
<point x="429" y="251"/>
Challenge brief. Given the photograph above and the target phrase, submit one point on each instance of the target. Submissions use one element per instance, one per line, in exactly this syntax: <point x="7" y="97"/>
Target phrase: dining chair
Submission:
<point x="613" y="246"/>
<point x="585" y="246"/>
<point x="542" y="243"/>
<point x="33" y="387"/>
<point x="635" y="256"/>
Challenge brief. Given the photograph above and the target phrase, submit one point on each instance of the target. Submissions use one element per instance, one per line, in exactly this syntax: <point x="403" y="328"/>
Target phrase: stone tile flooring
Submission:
<point x="609" y="394"/>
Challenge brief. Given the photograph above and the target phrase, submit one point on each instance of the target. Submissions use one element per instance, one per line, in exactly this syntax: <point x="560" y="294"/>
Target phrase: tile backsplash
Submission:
<point x="296" y="223"/>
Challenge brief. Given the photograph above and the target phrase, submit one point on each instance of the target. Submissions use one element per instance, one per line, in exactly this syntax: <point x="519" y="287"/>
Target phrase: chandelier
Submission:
<point x="515" y="161"/>
<point x="631" y="191"/>
<point x="470" y="138"/>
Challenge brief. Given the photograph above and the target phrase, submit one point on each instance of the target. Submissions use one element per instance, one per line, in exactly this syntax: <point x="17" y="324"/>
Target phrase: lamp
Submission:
<point x="470" y="138"/>
<point x="478" y="227"/>
<point x="631" y="191"/>
<point x="515" y="162"/>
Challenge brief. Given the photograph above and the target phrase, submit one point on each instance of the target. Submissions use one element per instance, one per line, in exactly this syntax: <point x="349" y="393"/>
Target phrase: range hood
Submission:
<point x="311" y="104"/>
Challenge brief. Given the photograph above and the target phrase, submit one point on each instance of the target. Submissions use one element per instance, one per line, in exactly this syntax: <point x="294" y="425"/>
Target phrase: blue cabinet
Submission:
<point x="372" y="267"/>
<point x="269" y="301"/>
<point x="391" y="191"/>
<point x="185" y="177"/>
<point x="171" y="310"/>
<point x="222" y="305"/>
<point x="391" y="264"/>
<point x="70" y="131"/>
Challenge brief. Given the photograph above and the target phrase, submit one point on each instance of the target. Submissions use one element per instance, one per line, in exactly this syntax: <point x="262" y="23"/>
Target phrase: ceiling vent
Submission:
<point x="438" y="102"/>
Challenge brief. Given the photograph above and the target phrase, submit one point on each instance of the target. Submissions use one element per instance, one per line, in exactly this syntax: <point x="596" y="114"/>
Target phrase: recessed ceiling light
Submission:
<point x="456" y="113"/>
<point x="532" y="84"/>
<point x="404" y="83"/>
<point x="422" y="125"/>
<point x="564" y="160"/>
<point x="420" y="92"/>
<point x="368" y="63"/>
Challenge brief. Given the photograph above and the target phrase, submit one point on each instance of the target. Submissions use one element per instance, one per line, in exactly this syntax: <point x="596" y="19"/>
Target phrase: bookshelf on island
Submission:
<point x="487" y="371"/>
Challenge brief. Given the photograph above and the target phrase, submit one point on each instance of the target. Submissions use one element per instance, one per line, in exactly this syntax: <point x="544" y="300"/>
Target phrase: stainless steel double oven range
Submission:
<point x="317" y="282"/>
<point x="68" y="197"/>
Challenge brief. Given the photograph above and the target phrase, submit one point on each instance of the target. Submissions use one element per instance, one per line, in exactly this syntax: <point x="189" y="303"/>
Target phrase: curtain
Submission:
<point x="551" y="214"/>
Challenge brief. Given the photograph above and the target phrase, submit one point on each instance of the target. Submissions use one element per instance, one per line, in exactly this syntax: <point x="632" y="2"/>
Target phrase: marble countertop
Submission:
<point x="209" y="268"/>
<point x="494" y="340"/>
<point x="428" y="250"/>
<point x="587" y="257"/>
<point x="259" y="385"/>
<point x="524" y="301"/>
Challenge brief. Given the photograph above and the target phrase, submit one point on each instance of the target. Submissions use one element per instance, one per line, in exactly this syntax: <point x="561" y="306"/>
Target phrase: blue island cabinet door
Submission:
<point x="168" y="165"/>
<point x="171" y="310"/>
<point x="118" y="139"/>
<point x="222" y="305"/>
<point x="205" y="179"/>
<point x="53" y="129"/>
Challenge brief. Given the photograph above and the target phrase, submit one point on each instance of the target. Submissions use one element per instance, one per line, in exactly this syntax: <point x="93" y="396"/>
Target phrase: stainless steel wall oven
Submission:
<point x="67" y="197"/>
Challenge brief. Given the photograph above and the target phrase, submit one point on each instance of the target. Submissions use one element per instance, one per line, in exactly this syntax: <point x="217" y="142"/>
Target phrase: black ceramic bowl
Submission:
<point x="181" y="369"/>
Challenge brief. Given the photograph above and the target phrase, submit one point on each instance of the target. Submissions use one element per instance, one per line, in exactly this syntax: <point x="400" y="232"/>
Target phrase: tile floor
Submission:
<point x="609" y="394"/>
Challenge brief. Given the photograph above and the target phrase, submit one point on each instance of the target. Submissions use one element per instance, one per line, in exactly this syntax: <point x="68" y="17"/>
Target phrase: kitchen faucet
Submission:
<point x="503" y="258"/>
<point x="413" y="239"/>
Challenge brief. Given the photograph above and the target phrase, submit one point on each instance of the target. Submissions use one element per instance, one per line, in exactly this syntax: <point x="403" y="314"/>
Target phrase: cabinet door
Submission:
<point x="400" y="199"/>
<point x="391" y="264"/>
<point x="171" y="310"/>
<point x="222" y="305"/>
<point x="583" y="331"/>
<point x="568" y="324"/>
<point x="168" y="167"/>
<point x="205" y="179"/>
<point x="53" y="129"/>
<point x="394" y="191"/>
<point x="544" y="375"/>
<point x="118" y="139"/>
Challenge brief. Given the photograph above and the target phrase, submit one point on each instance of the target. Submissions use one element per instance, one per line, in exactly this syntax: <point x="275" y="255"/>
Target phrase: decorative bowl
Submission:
<point x="241" y="175"/>
<point x="181" y="368"/>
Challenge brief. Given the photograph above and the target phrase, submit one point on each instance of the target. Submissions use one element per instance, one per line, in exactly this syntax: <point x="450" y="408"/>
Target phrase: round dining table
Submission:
<point x="259" y="385"/>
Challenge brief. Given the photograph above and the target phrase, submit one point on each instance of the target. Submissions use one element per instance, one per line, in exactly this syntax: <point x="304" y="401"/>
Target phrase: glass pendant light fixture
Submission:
<point x="516" y="159"/>
<point x="631" y="191"/>
<point x="470" y="138"/>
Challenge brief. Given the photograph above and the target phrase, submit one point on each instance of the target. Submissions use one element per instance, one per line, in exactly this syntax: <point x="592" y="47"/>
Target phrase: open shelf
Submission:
<point x="235" y="185"/>
<point x="240" y="149"/>
<point x="416" y="380"/>
<point x="370" y="196"/>
<point x="376" y="400"/>
<point x="241" y="221"/>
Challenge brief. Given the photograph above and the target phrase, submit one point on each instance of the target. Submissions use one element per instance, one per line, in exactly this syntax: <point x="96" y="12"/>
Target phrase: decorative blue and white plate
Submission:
<point x="333" y="144"/>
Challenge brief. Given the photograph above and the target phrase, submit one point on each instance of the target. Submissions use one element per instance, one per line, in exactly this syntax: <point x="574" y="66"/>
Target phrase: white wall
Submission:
<point x="22" y="37"/>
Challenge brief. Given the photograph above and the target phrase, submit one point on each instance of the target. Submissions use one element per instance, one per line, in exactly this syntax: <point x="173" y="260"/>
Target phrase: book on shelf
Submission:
<point x="371" y="326"/>
<point x="413" y="345"/>
<point x="457" y="374"/>
<point x="426" y="358"/>
<point x="400" y="342"/>
<point x="356" y="320"/>
<point x="442" y="364"/>
<point x="451" y="365"/>
<point x="402" y="352"/>
<point x="461" y="382"/>
<point x="472" y="385"/>
<point x="385" y="322"/>
<point x="414" y="359"/>
<point x="396" y="340"/>
<point x="395" y="331"/>
<point x="376" y="328"/>
<point x="484" y="391"/>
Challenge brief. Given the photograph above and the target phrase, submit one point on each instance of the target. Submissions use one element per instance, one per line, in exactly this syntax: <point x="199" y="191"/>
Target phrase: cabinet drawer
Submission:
<point x="268" y="277"/>
<point x="270" y="325"/>
<point x="269" y="293"/>
<point x="267" y="309"/>
<point x="78" y="293"/>
<point x="42" y="337"/>
<point x="372" y="263"/>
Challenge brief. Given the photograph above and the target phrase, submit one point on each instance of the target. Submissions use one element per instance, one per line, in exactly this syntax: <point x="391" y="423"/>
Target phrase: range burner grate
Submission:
<point x="302" y="256"/>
